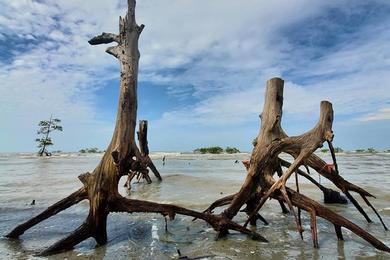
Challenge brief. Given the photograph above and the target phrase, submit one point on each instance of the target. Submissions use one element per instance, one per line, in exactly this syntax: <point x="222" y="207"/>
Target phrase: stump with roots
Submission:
<point x="122" y="157"/>
<point x="144" y="158"/>
<point x="261" y="185"/>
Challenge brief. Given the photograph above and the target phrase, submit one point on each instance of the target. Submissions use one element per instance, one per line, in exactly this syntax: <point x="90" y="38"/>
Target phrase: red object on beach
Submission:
<point x="329" y="167"/>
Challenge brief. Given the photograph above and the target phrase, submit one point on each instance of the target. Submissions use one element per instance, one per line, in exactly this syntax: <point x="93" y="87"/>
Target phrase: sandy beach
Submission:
<point x="189" y="180"/>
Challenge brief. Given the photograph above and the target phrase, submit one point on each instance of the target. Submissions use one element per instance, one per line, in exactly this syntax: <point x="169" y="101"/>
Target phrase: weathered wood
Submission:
<point x="264" y="162"/>
<point x="144" y="147"/>
<point x="122" y="156"/>
<point x="61" y="205"/>
<point x="146" y="161"/>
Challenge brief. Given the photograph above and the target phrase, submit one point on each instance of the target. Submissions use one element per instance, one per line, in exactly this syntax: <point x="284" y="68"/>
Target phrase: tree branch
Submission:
<point x="114" y="51"/>
<point x="104" y="38"/>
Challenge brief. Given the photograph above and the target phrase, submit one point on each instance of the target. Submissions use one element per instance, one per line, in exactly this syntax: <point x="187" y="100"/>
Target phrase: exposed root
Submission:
<point x="219" y="203"/>
<point x="264" y="162"/>
<point x="299" y="210"/>
<point x="313" y="227"/>
<point x="143" y="159"/>
<point x="77" y="236"/>
<point x="339" y="233"/>
<point x="357" y="205"/>
<point x="61" y="205"/>
<point x="218" y="222"/>
<point x="287" y="199"/>
<point x="310" y="206"/>
<point x="377" y="214"/>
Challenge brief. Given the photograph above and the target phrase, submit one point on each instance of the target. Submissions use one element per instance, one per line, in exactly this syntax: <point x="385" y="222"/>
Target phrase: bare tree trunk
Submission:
<point x="264" y="162"/>
<point x="122" y="157"/>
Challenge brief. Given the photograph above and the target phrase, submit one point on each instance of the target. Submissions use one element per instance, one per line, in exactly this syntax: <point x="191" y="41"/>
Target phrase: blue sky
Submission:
<point x="203" y="69"/>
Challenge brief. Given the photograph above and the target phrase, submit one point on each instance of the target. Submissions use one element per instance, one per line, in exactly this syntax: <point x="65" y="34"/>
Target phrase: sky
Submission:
<point x="203" y="69"/>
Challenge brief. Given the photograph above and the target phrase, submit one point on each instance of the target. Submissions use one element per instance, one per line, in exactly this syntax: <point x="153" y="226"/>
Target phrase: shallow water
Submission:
<point x="193" y="181"/>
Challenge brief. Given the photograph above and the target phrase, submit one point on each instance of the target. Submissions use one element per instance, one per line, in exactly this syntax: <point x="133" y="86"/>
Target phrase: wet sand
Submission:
<point x="193" y="181"/>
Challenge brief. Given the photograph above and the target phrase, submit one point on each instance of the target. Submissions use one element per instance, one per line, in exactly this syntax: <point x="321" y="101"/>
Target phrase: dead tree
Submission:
<point x="121" y="157"/>
<point x="144" y="158"/>
<point x="260" y="183"/>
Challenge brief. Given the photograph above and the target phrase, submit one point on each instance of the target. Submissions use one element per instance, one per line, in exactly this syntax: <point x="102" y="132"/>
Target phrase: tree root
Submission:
<point x="318" y="164"/>
<point x="316" y="209"/>
<point x="218" y="222"/>
<point x="330" y="196"/>
<point x="61" y="205"/>
<point x="264" y="162"/>
<point x="96" y="227"/>
<point x="145" y="161"/>
<point x="76" y="237"/>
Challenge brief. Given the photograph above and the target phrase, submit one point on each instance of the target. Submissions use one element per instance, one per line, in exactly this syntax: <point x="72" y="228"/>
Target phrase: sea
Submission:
<point x="193" y="181"/>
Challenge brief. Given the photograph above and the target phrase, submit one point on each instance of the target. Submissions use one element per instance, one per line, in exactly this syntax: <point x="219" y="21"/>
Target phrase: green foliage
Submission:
<point x="45" y="128"/>
<point x="231" y="150"/>
<point x="90" y="150"/>
<point x="46" y="141"/>
<point x="213" y="150"/>
<point x="324" y="150"/>
<point x="368" y="150"/>
<point x="338" y="150"/>
<point x="216" y="150"/>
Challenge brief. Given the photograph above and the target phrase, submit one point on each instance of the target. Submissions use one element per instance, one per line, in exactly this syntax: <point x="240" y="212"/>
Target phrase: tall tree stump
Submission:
<point x="261" y="185"/>
<point x="122" y="156"/>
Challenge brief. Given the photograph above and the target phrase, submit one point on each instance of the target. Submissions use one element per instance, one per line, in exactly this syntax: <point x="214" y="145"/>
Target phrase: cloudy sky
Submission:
<point x="203" y="68"/>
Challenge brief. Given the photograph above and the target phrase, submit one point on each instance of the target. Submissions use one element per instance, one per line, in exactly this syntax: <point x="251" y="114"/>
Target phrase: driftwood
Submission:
<point x="121" y="157"/>
<point x="144" y="158"/>
<point x="261" y="185"/>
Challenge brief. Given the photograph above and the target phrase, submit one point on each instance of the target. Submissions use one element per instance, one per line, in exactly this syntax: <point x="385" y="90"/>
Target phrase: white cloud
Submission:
<point x="224" y="52"/>
<point x="233" y="53"/>
<point x="57" y="72"/>
<point x="381" y="114"/>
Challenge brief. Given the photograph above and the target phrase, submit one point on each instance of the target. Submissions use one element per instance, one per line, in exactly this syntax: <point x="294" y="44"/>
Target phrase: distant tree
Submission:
<point x="324" y="150"/>
<point x="360" y="150"/>
<point x="371" y="150"/>
<point x="45" y="128"/>
<point x="338" y="150"/>
<point x="213" y="150"/>
<point x="90" y="150"/>
<point x="231" y="150"/>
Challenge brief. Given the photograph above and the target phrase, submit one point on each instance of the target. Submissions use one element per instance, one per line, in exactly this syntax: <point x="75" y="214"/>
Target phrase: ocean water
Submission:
<point x="193" y="181"/>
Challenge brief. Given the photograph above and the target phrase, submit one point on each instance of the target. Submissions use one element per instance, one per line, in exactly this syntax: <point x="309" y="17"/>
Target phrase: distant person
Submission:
<point x="163" y="160"/>
<point x="236" y="161"/>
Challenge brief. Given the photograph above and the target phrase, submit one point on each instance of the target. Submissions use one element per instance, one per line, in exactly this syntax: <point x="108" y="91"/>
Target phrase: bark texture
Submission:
<point x="261" y="184"/>
<point x="122" y="157"/>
